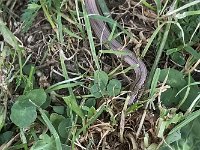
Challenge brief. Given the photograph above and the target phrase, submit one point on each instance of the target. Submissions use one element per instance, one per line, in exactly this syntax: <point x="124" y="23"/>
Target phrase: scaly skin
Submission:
<point x="102" y="32"/>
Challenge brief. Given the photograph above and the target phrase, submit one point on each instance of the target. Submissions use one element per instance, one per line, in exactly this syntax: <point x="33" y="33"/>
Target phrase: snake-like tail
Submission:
<point x="102" y="31"/>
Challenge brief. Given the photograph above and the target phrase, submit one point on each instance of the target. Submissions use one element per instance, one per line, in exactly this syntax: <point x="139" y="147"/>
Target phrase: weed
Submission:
<point x="81" y="100"/>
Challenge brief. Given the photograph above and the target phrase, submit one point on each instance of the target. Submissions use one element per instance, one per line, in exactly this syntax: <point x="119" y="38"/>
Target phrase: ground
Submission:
<point x="49" y="83"/>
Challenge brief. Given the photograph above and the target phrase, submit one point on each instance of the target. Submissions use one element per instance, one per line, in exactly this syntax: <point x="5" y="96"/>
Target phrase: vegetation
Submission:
<point x="60" y="88"/>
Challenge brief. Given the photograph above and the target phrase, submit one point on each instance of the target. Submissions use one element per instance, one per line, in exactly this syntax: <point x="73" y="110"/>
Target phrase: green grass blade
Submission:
<point x="159" y="53"/>
<point x="60" y="29"/>
<point x="70" y="33"/>
<point x="106" y="13"/>
<point x="187" y="13"/>
<point x="112" y="32"/>
<point x="64" y="82"/>
<point x="63" y="86"/>
<point x="146" y="4"/>
<point x="154" y="82"/>
<point x="124" y="53"/>
<point x="104" y="7"/>
<point x="10" y="38"/>
<point x="112" y="22"/>
<point x="48" y="16"/>
<point x="192" y="84"/>
<point x="157" y="31"/>
<point x="51" y="128"/>
<point x="192" y="106"/>
<point x="23" y="138"/>
<point x="173" y="50"/>
<point x="90" y="37"/>
<point x="195" y="31"/>
<point x="187" y="120"/>
<point x="71" y="102"/>
<point x="158" y="4"/>
<point x="186" y="93"/>
<point x="126" y="70"/>
<point x="64" y="70"/>
<point x="151" y="39"/>
<point x="183" y="7"/>
<point x="92" y="120"/>
<point x="193" y="52"/>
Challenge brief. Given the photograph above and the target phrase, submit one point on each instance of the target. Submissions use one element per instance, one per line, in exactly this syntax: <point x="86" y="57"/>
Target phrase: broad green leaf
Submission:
<point x="27" y="69"/>
<point x="8" y="36"/>
<point x="178" y="58"/>
<point x="2" y="116"/>
<point x="5" y="137"/>
<point x="66" y="147"/>
<point x="56" y="119"/>
<point x="59" y="109"/>
<point x="95" y="91"/>
<point x="91" y="112"/>
<point x="23" y="113"/>
<point x="45" y="143"/>
<point x="57" y="4"/>
<point x="100" y="76"/>
<point x="91" y="102"/>
<point x="64" y="127"/>
<point x="175" y="77"/>
<point x="169" y="98"/>
<point x="185" y="138"/>
<point x="114" y="87"/>
<point x="37" y="96"/>
<point x="46" y="103"/>
<point x="89" y="107"/>
<point x="29" y="15"/>
<point x="173" y="137"/>
<point x="193" y="93"/>
<point x="101" y="79"/>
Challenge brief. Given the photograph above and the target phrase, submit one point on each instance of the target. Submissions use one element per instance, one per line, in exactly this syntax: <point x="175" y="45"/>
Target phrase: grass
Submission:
<point x="61" y="89"/>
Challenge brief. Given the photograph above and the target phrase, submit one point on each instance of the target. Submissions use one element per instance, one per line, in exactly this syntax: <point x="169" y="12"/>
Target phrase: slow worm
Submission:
<point x="102" y="32"/>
